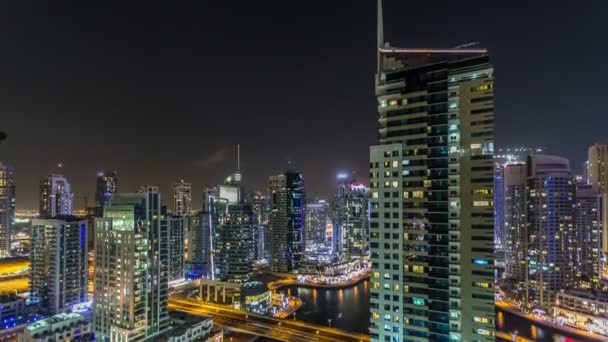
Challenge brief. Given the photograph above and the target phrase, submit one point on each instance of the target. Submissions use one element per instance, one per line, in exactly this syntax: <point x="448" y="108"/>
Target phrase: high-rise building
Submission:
<point x="351" y="219"/>
<point x="131" y="268"/>
<point x="261" y="211"/>
<point x="587" y="239"/>
<point x="550" y="228"/>
<point x="597" y="176"/>
<point x="7" y="209"/>
<point x="234" y="228"/>
<point x="317" y="214"/>
<point x="58" y="264"/>
<point x="515" y="221"/>
<point x="107" y="185"/>
<point x="182" y="198"/>
<point x="177" y="230"/>
<point x="200" y="245"/>
<point x="598" y="166"/>
<point x="432" y="220"/>
<point x="287" y="221"/>
<point x="55" y="196"/>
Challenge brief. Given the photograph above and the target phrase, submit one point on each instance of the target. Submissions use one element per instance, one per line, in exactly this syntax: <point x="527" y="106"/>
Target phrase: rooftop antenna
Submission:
<point x="238" y="157"/>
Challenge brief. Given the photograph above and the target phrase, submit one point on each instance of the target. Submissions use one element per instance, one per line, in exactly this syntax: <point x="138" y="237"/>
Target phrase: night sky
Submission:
<point x="160" y="93"/>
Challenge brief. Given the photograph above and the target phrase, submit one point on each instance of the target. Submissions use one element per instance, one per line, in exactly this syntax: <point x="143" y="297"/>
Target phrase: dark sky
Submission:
<point x="160" y="93"/>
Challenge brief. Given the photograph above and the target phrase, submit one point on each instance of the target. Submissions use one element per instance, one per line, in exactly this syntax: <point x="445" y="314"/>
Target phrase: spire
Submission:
<point x="238" y="157"/>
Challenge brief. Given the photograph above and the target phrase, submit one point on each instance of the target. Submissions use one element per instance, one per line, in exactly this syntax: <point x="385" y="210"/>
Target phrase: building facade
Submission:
<point x="588" y="234"/>
<point x="56" y="197"/>
<point x="177" y="231"/>
<point x="107" y="185"/>
<point x="200" y="245"/>
<point x="58" y="328"/>
<point x="317" y="214"/>
<point x="131" y="268"/>
<point x="7" y="209"/>
<point x="351" y="220"/>
<point x="598" y="166"/>
<point x="551" y="258"/>
<point x="58" y="264"/>
<point x="515" y="221"/>
<point x="431" y="183"/>
<point x="182" y="198"/>
<point x="287" y="221"/>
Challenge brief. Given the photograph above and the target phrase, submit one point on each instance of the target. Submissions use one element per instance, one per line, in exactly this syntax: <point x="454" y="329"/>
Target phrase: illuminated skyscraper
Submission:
<point x="261" y="211"/>
<point x="182" y="198"/>
<point x="317" y="214"/>
<point x="287" y="221"/>
<point x="59" y="264"/>
<point x="7" y="208"/>
<point x="516" y="221"/>
<point x="588" y="231"/>
<point x="177" y="229"/>
<point x="200" y="245"/>
<point x="431" y="183"/>
<point x="351" y="219"/>
<point x="107" y="185"/>
<point x="55" y="196"/>
<point x="598" y="166"/>
<point x="131" y="268"/>
<point x="551" y="233"/>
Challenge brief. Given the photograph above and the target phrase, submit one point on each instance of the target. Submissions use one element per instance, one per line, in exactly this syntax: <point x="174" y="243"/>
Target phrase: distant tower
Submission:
<point x="588" y="231"/>
<point x="287" y="221"/>
<point x="351" y="219"/>
<point x="550" y="227"/>
<point x="107" y="185"/>
<point x="56" y="196"/>
<point x="598" y="166"/>
<point x="182" y="198"/>
<point x="317" y="214"/>
<point x="7" y="208"/>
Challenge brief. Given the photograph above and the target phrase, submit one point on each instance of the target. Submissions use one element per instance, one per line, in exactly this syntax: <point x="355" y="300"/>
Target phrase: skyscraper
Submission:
<point x="7" y="208"/>
<point x="287" y="221"/>
<point x="351" y="219"/>
<point x="182" y="198"/>
<point x="177" y="228"/>
<point x="131" y="268"/>
<point x="550" y="228"/>
<point x="234" y="220"/>
<point x="261" y="211"/>
<point x="317" y="214"/>
<point x="432" y="220"/>
<point x="598" y="166"/>
<point x="59" y="264"/>
<point x="107" y="185"/>
<point x="516" y="221"/>
<point x="587" y="239"/>
<point x="200" y="245"/>
<point x="55" y="196"/>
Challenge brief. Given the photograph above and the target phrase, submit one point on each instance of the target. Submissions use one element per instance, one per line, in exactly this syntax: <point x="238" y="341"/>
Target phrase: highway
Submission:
<point x="282" y="330"/>
<point x="15" y="284"/>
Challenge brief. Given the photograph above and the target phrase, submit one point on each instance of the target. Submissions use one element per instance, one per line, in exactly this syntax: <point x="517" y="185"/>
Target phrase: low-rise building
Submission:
<point x="58" y="328"/>
<point x="12" y="309"/>
<point x="220" y="292"/>
<point x="583" y="309"/>
<point x="189" y="328"/>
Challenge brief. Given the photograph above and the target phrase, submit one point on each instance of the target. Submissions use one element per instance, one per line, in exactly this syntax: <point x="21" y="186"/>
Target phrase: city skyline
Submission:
<point x="316" y="77"/>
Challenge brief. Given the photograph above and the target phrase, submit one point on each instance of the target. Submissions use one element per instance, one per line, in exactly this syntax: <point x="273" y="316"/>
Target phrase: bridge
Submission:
<point x="282" y="330"/>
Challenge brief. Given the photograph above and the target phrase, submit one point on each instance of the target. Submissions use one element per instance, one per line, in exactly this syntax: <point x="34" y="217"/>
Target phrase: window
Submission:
<point x="418" y="268"/>
<point x="417" y="194"/>
<point x="393" y="103"/>
<point x="395" y="163"/>
<point x="418" y="301"/>
<point x="481" y="203"/>
<point x="406" y="194"/>
<point x="375" y="194"/>
<point x="395" y="184"/>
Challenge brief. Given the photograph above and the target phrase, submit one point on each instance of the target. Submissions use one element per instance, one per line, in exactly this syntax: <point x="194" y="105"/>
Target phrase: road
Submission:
<point x="13" y="267"/>
<point x="282" y="330"/>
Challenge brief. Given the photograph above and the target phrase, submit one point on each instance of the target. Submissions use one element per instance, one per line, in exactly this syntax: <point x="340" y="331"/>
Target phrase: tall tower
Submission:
<point x="598" y="166"/>
<point x="56" y="196"/>
<point x="182" y="198"/>
<point x="177" y="229"/>
<point x="287" y="221"/>
<point x="317" y="214"/>
<point x="131" y="268"/>
<point x="351" y="219"/>
<point x="107" y="185"/>
<point x="432" y="220"/>
<point x="588" y="231"/>
<point x="59" y="264"/>
<point x="550" y="228"/>
<point x="7" y="208"/>
<point x="515" y="221"/>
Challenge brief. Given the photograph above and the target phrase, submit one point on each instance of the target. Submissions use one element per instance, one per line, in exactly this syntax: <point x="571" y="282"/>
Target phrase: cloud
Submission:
<point x="217" y="157"/>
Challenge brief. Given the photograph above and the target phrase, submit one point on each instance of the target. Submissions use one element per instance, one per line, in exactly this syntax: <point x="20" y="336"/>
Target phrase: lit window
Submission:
<point x="417" y="194"/>
<point x="481" y="320"/>
<point x="382" y="103"/>
<point x="376" y="275"/>
<point x="395" y="163"/>
<point x="392" y="103"/>
<point x="375" y="194"/>
<point x="396" y="287"/>
<point x="406" y="194"/>
<point x="481" y="203"/>
<point x="395" y="184"/>
<point x="475" y="146"/>
<point x="375" y="315"/>
<point x="387" y="184"/>
<point x="481" y="261"/>
<point x="418" y="301"/>
<point x="418" y="269"/>
<point x="483" y="332"/>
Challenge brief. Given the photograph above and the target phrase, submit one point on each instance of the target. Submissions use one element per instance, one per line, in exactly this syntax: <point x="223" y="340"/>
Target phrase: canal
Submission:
<point x="348" y="309"/>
